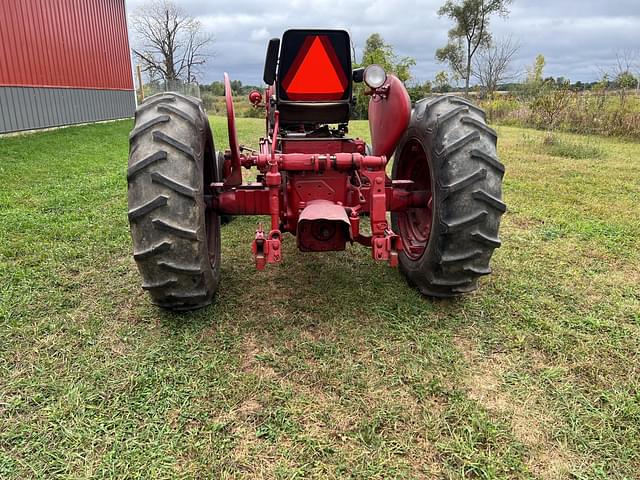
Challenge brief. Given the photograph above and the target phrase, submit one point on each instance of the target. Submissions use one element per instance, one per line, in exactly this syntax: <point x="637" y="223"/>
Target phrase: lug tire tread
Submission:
<point x="166" y="202"/>
<point x="467" y="205"/>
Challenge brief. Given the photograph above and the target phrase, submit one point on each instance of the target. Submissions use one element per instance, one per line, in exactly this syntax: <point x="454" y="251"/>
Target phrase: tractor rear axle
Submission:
<point x="330" y="192"/>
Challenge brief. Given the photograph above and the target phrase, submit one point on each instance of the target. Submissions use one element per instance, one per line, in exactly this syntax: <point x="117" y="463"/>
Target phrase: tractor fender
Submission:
<point x="235" y="177"/>
<point x="389" y="115"/>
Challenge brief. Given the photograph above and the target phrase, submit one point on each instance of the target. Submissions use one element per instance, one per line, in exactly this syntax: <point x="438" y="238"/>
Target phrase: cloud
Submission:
<point x="259" y="35"/>
<point x="577" y="38"/>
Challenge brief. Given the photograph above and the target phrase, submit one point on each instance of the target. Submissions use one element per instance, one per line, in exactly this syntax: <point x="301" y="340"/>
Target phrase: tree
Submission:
<point x="551" y="103"/>
<point x="534" y="74"/>
<point x="492" y="64"/>
<point x="624" y="72"/>
<point x="471" y="31"/>
<point x="170" y="44"/>
<point x="216" y="88"/>
<point x="377" y="51"/>
<point x="534" y="81"/>
<point x="381" y="53"/>
<point x="453" y="54"/>
<point x="442" y="82"/>
<point x="626" y="68"/>
<point x="418" y="91"/>
<point x="626" y="81"/>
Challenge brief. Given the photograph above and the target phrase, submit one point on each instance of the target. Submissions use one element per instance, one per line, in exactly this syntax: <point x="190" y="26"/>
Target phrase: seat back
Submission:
<point x="314" y="83"/>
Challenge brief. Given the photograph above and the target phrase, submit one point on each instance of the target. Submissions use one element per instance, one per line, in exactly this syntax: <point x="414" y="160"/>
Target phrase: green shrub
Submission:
<point x="560" y="147"/>
<point x="499" y="108"/>
<point x="216" y="105"/>
<point x="596" y="112"/>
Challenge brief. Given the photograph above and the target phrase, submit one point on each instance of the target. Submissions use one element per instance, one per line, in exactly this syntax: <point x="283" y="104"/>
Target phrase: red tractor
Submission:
<point x="437" y="215"/>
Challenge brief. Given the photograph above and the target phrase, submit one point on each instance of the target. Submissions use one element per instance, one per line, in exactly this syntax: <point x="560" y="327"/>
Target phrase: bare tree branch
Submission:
<point x="492" y="64"/>
<point x="169" y="42"/>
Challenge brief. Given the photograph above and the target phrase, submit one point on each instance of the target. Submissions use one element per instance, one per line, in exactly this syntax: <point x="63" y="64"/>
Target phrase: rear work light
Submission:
<point x="375" y="76"/>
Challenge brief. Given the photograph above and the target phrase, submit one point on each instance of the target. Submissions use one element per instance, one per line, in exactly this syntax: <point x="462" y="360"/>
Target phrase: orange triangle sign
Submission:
<point x="318" y="75"/>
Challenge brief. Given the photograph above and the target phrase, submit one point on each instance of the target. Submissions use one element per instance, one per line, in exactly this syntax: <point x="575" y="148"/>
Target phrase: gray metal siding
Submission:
<point x="30" y="108"/>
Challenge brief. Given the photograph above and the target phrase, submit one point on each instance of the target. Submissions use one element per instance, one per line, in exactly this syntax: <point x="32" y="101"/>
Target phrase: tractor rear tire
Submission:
<point x="449" y="151"/>
<point x="176" y="240"/>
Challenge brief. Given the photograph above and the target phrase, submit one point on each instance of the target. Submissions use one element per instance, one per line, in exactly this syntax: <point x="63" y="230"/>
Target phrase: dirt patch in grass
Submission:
<point x="251" y="457"/>
<point x="373" y="416"/>
<point x="522" y="222"/>
<point x="529" y="421"/>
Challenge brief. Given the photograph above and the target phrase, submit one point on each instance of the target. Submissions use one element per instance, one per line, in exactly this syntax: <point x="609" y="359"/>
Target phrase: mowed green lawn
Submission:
<point x="329" y="365"/>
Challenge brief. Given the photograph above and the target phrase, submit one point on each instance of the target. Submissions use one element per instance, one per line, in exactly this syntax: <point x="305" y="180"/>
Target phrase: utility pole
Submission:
<point x="139" y="73"/>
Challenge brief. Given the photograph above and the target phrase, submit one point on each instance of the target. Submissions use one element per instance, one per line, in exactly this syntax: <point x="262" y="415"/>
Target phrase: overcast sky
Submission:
<point x="577" y="37"/>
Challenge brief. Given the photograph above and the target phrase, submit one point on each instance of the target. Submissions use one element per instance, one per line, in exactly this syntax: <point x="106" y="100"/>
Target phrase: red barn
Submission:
<point x="63" y="62"/>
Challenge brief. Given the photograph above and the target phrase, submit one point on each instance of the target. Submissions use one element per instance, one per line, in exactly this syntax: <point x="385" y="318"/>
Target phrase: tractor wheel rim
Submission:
<point x="211" y="218"/>
<point x="415" y="223"/>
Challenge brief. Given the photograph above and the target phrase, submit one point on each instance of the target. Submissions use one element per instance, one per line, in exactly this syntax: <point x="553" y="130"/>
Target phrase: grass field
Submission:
<point x="329" y="365"/>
